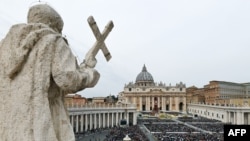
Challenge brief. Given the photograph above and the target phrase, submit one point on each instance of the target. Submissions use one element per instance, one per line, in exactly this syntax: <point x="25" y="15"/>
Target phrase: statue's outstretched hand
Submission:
<point x="90" y="60"/>
<point x="88" y="70"/>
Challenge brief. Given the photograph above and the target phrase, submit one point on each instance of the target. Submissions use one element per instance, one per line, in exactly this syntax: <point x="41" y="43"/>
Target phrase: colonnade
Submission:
<point x="226" y="114"/>
<point x="238" y="117"/>
<point x="85" y="119"/>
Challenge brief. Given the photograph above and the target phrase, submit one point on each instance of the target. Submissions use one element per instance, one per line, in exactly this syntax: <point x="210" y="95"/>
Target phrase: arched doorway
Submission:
<point x="181" y="107"/>
<point x="167" y="107"/>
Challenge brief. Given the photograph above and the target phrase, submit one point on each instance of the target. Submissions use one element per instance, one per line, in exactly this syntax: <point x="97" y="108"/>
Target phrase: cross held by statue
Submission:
<point x="100" y="37"/>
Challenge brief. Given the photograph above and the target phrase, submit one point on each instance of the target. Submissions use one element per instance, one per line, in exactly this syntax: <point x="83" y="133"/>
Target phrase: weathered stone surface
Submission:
<point x="37" y="68"/>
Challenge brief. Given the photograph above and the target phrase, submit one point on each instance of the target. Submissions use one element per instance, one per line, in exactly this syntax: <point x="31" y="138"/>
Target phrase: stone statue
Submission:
<point x="37" y="70"/>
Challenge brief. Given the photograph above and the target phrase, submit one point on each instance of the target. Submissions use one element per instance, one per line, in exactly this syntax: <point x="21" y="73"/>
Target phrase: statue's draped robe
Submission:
<point x="36" y="69"/>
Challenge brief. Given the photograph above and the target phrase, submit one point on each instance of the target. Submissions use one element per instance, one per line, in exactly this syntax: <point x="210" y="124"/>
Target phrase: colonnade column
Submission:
<point x="235" y="118"/>
<point x="72" y="121"/>
<point x="99" y="120"/>
<point x="91" y="123"/>
<point x="248" y="118"/>
<point x="112" y="119"/>
<point x="228" y="117"/>
<point x="108" y="120"/>
<point x="120" y="116"/>
<point x="243" y="118"/>
<point x="77" y="126"/>
<point x="95" y="121"/>
<point x="82" y="123"/>
<point x="231" y="118"/>
<point x="117" y="118"/>
<point x="104" y="120"/>
<point x="86" y="122"/>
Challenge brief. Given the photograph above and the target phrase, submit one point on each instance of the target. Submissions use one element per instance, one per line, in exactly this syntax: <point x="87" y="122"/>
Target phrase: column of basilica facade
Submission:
<point x="154" y="97"/>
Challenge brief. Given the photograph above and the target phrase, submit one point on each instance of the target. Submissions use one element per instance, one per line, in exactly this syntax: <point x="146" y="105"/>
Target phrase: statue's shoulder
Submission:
<point x="32" y="32"/>
<point x="30" y="27"/>
<point x="18" y="26"/>
<point x="22" y="27"/>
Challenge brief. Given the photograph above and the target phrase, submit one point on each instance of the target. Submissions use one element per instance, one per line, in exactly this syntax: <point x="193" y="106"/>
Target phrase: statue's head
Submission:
<point x="43" y="13"/>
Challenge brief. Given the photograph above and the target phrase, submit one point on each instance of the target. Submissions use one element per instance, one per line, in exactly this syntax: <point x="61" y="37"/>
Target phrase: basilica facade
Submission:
<point x="149" y="96"/>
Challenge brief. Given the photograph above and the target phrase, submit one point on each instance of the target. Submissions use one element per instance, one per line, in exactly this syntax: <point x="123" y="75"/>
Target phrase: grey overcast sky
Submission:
<point x="189" y="41"/>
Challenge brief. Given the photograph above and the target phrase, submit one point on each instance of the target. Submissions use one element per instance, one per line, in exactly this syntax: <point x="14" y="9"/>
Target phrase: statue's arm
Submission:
<point x="67" y="74"/>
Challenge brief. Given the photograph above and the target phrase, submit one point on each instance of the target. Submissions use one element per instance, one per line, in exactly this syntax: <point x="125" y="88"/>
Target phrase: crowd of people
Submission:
<point x="174" y="127"/>
<point x="198" y="119"/>
<point x="83" y="134"/>
<point x="188" y="137"/>
<point x="153" y="120"/>
<point x="118" y="133"/>
<point x="186" y="129"/>
<point x="180" y="129"/>
<point x="212" y="127"/>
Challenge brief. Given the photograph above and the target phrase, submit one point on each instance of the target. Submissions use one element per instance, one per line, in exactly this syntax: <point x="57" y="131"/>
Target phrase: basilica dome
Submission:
<point x="144" y="76"/>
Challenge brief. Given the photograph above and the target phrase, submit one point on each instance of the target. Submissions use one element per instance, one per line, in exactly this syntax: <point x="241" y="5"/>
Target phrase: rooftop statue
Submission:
<point x="37" y="70"/>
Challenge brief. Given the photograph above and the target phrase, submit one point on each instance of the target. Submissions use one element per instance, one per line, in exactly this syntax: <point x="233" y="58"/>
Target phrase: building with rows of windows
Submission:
<point x="221" y="100"/>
